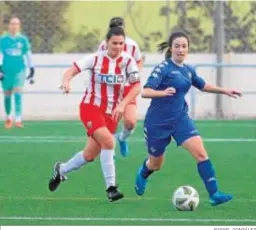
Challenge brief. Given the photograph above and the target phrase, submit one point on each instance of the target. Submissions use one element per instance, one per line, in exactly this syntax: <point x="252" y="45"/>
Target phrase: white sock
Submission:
<point x="18" y="119"/>
<point x="76" y="162"/>
<point x="8" y="117"/>
<point x="108" y="166"/>
<point x="125" y="133"/>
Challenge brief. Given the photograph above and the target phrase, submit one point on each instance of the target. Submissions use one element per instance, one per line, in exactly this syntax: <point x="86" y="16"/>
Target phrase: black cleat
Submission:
<point x="114" y="194"/>
<point x="56" y="178"/>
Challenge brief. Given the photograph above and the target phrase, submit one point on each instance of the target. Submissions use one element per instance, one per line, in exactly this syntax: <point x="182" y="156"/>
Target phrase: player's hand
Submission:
<point x="31" y="81"/>
<point x="118" y="112"/>
<point x="65" y="87"/>
<point x="233" y="93"/>
<point x="169" y="91"/>
<point x="30" y="77"/>
<point x="1" y="74"/>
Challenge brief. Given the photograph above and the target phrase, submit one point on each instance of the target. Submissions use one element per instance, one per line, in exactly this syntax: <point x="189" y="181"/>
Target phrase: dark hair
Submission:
<point x="116" y="22"/>
<point x="14" y="17"/>
<point x="115" y="31"/>
<point x="162" y="46"/>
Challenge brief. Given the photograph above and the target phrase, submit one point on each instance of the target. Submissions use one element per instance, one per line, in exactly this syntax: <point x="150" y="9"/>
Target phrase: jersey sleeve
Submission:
<point x="137" y="53"/>
<point x="155" y="78"/>
<point x="102" y="46"/>
<point x="29" y="60"/>
<point x="132" y="72"/>
<point x="26" y="46"/>
<point x="1" y="49"/>
<point x="85" y="63"/>
<point x="197" y="81"/>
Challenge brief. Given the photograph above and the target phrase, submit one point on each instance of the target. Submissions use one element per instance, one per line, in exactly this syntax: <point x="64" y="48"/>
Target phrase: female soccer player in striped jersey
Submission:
<point x="129" y="116"/>
<point x="101" y="107"/>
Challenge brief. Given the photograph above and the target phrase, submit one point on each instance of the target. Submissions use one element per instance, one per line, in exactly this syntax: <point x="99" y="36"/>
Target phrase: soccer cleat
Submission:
<point x="56" y="178"/>
<point x="113" y="194"/>
<point x="8" y="124"/>
<point x="219" y="198"/>
<point x="124" y="150"/>
<point x="140" y="183"/>
<point x="19" y="124"/>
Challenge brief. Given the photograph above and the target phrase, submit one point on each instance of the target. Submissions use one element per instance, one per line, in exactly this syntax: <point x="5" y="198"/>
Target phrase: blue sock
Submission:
<point x="145" y="172"/>
<point x="206" y="171"/>
<point x="18" y="103"/>
<point x="8" y="104"/>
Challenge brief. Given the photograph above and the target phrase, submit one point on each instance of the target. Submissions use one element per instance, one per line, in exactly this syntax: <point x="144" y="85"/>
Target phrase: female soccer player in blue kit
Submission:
<point x="167" y="117"/>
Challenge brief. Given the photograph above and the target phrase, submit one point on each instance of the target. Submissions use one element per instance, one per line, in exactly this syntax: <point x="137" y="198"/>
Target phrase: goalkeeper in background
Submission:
<point x="15" y="48"/>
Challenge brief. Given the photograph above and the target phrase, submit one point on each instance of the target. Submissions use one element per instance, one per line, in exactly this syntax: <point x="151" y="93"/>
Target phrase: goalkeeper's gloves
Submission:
<point x="30" y="77"/>
<point x="1" y="74"/>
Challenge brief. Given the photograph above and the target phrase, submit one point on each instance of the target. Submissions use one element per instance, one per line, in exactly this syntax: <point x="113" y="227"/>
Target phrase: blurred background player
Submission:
<point x="101" y="108"/>
<point x="14" y="46"/>
<point x="167" y="116"/>
<point x="130" y="115"/>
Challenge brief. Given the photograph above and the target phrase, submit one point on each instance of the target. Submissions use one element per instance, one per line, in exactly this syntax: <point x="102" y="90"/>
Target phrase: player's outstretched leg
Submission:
<point x="56" y="178"/>
<point x="123" y="145"/>
<point x="122" y="140"/>
<point x="127" y="129"/>
<point x="109" y="172"/>
<point x="113" y="194"/>
<point x="207" y="174"/>
<point x="219" y="198"/>
<point x="61" y="169"/>
<point x="194" y="145"/>
<point x="141" y="178"/>
<point x="140" y="183"/>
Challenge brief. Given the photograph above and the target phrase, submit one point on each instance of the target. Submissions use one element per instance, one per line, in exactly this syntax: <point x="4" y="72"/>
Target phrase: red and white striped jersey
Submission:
<point x="130" y="46"/>
<point x="107" y="78"/>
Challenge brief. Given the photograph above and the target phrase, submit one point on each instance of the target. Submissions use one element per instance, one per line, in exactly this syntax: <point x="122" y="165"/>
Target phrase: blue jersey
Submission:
<point x="166" y="110"/>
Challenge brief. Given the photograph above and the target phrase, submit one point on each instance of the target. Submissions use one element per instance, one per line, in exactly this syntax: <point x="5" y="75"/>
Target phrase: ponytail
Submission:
<point x="167" y="45"/>
<point x="168" y="54"/>
<point x="115" y="31"/>
<point x="162" y="47"/>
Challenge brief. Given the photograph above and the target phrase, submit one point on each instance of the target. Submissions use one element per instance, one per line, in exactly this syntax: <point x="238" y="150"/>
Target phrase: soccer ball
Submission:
<point x="185" y="198"/>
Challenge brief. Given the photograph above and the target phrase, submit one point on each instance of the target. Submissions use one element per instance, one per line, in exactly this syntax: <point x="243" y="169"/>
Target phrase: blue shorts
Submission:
<point x="157" y="138"/>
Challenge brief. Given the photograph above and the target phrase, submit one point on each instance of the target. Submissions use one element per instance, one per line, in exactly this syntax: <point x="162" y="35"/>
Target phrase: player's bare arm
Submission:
<point x="219" y="90"/>
<point x="67" y="77"/>
<point x="133" y="93"/>
<point x="151" y="93"/>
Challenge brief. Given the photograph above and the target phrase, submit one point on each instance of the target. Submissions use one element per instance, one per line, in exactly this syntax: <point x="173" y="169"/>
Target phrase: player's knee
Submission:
<point x="130" y="123"/>
<point x="17" y="90"/>
<point x="201" y="156"/>
<point x="108" y="143"/>
<point x="89" y="156"/>
<point x="155" y="165"/>
<point x="8" y="93"/>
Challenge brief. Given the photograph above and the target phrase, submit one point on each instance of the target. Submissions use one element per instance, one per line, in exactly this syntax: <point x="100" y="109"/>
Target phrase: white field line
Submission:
<point x="82" y="139"/>
<point x="135" y="198"/>
<point x="106" y="219"/>
<point x="198" y="124"/>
